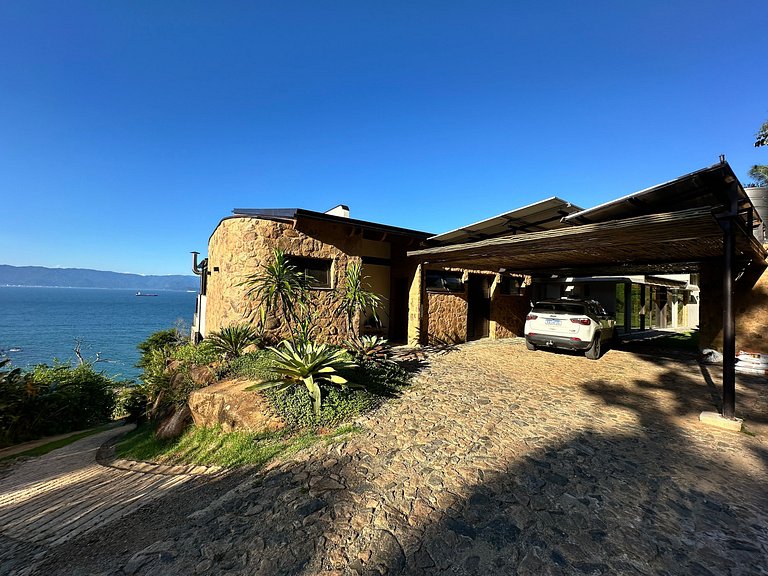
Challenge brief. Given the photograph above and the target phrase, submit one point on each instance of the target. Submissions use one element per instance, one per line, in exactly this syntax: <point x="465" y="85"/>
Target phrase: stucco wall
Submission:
<point x="241" y="246"/>
<point x="751" y="307"/>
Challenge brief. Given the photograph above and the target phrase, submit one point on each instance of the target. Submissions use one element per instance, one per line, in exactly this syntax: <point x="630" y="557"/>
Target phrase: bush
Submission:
<point x="173" y="369"/>
<point x="231" y="341"/>
<point x="53" y="400"/>
<point x="132" y="403"/>
<point x="254" y="365"/>
<point x="312" y="365"/>
<point x="380" y="381"/>
<point x="162" y="339"/>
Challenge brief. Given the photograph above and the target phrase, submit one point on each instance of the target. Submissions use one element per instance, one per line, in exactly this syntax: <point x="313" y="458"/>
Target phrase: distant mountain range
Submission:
<point x="84" y="278"/>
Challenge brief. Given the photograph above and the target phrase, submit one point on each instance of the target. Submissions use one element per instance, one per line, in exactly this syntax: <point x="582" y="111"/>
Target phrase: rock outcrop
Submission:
<point x="229" y="405"/>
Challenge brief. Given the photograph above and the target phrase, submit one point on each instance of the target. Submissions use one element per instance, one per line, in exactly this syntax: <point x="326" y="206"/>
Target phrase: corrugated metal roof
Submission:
<point x="655" y="243"/>
<point x="544" y="215"/>
<point x="705" y="187"/>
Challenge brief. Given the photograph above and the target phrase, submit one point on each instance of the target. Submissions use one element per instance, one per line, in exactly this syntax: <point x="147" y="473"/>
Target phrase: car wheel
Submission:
<point x="593" y="352"/>
<point x="530" y="345"/>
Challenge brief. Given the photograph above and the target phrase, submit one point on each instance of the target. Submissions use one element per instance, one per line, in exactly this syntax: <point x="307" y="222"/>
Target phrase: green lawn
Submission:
<point x="213" y="447"/>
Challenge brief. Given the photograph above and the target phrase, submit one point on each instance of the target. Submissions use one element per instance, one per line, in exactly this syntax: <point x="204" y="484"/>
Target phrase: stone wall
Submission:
<point x="751" y="308"/>
<point x="443" y="316"/>
<point x="447" y="317"/>
<point x="240" y="246"/>
<point x="508" y="314"/>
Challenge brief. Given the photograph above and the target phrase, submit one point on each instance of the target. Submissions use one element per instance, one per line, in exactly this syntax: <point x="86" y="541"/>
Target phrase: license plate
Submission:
<point x="551" y="322"/>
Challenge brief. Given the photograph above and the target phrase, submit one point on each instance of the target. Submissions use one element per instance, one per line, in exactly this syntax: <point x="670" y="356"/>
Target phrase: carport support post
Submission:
<point x="729" y="322"/>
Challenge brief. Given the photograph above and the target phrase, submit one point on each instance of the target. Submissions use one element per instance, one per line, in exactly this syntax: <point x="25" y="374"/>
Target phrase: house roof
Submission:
<point x="544" y="215"/>
<point x="705" y="187"/>
<point x="299" y="213"/>
<point x="672" y="227"/>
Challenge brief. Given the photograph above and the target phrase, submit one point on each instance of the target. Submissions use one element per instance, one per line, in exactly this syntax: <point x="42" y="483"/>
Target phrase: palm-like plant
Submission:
<point x="370" y="347"/>
<point x="280" y="286"/>
<point x="357" y="296"/>
<point x="232" y="340"/>
<point x="313" y="365"/>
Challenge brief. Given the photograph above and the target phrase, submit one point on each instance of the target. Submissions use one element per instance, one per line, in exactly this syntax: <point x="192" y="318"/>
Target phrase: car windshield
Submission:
<point x="561" y="307"/>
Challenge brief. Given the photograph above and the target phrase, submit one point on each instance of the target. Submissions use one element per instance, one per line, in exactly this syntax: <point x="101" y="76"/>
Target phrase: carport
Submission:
<point x="704" y="218"/>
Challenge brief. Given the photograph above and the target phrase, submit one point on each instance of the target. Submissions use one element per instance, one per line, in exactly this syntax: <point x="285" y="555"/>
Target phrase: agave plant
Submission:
<point x="233" y="340"/>
<point x="313" y="365"/>
<point x="370" y="347"/>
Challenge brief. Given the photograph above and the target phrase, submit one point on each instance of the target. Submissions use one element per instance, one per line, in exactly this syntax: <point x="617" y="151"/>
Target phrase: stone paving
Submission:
<point x="49" y="500"/>
<point x="497" y="461"/>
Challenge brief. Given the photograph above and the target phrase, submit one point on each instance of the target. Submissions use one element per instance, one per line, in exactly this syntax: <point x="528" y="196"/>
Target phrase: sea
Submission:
<point x="40" y="325"/>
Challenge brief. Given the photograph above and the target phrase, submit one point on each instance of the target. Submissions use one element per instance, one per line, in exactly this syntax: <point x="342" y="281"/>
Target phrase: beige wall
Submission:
<point x="378" y="280"/>
<point x="508" y="314"/>
<point x="241" y="246"/>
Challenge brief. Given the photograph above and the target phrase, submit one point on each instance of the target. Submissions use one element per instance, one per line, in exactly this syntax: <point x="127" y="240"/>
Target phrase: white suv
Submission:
<point x="570" y="324"/>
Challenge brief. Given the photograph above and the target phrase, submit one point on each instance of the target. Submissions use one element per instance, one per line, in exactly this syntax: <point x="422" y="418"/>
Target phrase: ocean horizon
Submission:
<point x="41" y="325"/>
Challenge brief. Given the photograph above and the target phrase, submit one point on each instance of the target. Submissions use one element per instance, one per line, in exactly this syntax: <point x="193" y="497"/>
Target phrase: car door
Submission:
<point x="606" y="321"/>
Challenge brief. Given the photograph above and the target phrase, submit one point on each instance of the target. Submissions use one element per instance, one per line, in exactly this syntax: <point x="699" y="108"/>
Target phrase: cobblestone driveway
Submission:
<point x="497" y="461"/>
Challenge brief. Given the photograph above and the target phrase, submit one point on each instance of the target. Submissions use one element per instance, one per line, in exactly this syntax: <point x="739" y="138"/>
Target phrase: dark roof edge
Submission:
<point x="293" y="213"/>
<point x="583" y="216"/>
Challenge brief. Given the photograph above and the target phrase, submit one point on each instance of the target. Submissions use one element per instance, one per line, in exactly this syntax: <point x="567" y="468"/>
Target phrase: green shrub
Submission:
<point x="370" y="347"/>
<point x="254" y="365"/>
<point x="202" y="354"/>
<point x="168" y="367"/>
<point x="313" y="365"/>
<point x="231" y="341"/>
<point x="53" y="400"/>
<point x="162" y="339"/>
<point x="132" y="403"/>
<point x="381" y="381"/>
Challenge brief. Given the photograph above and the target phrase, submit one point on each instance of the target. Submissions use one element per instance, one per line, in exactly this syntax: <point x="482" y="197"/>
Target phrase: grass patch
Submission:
<point x="688" y="341"/>
<point x="60" y="443"/>
<point x="213" y="447"/>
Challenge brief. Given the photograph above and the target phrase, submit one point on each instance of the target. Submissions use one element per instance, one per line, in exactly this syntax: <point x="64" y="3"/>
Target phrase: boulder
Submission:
<point x="174" y="425"/>
<point x="229" y="405"/>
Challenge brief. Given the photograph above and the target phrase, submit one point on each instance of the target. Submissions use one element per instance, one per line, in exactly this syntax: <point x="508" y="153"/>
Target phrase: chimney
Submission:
<point x="339" y="210"/>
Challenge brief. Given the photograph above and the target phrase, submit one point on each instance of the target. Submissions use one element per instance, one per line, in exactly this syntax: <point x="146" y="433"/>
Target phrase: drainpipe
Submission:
<point x="202" y="271"/>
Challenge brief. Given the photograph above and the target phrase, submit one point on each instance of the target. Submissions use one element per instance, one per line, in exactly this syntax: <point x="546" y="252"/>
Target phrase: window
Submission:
<point x="512" y="286"/>
<point x="316" y="270"/>
<point x="562" y="307"/>
<point x="441" y="281"/>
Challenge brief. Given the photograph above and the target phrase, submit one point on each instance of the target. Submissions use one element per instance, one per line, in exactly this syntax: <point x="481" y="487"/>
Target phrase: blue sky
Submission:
<point x="129" y="129"/>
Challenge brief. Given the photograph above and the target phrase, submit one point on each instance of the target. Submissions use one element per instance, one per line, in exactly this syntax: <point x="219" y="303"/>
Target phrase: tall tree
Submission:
<point x="759" y="172"/>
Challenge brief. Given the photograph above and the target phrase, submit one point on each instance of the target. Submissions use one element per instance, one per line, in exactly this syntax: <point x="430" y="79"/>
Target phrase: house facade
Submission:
<point x="322" y="245"/>
<point x="654" y="259"/>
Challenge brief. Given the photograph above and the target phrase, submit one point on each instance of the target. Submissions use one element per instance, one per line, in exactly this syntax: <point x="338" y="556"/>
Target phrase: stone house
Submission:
<point x="320" y="244"/>
<point x="655" y="248"/>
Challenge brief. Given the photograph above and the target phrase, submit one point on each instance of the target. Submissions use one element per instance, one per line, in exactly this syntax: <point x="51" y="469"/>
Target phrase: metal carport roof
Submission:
<point x="676" y="226"/>
<point x="655" y="243"/>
